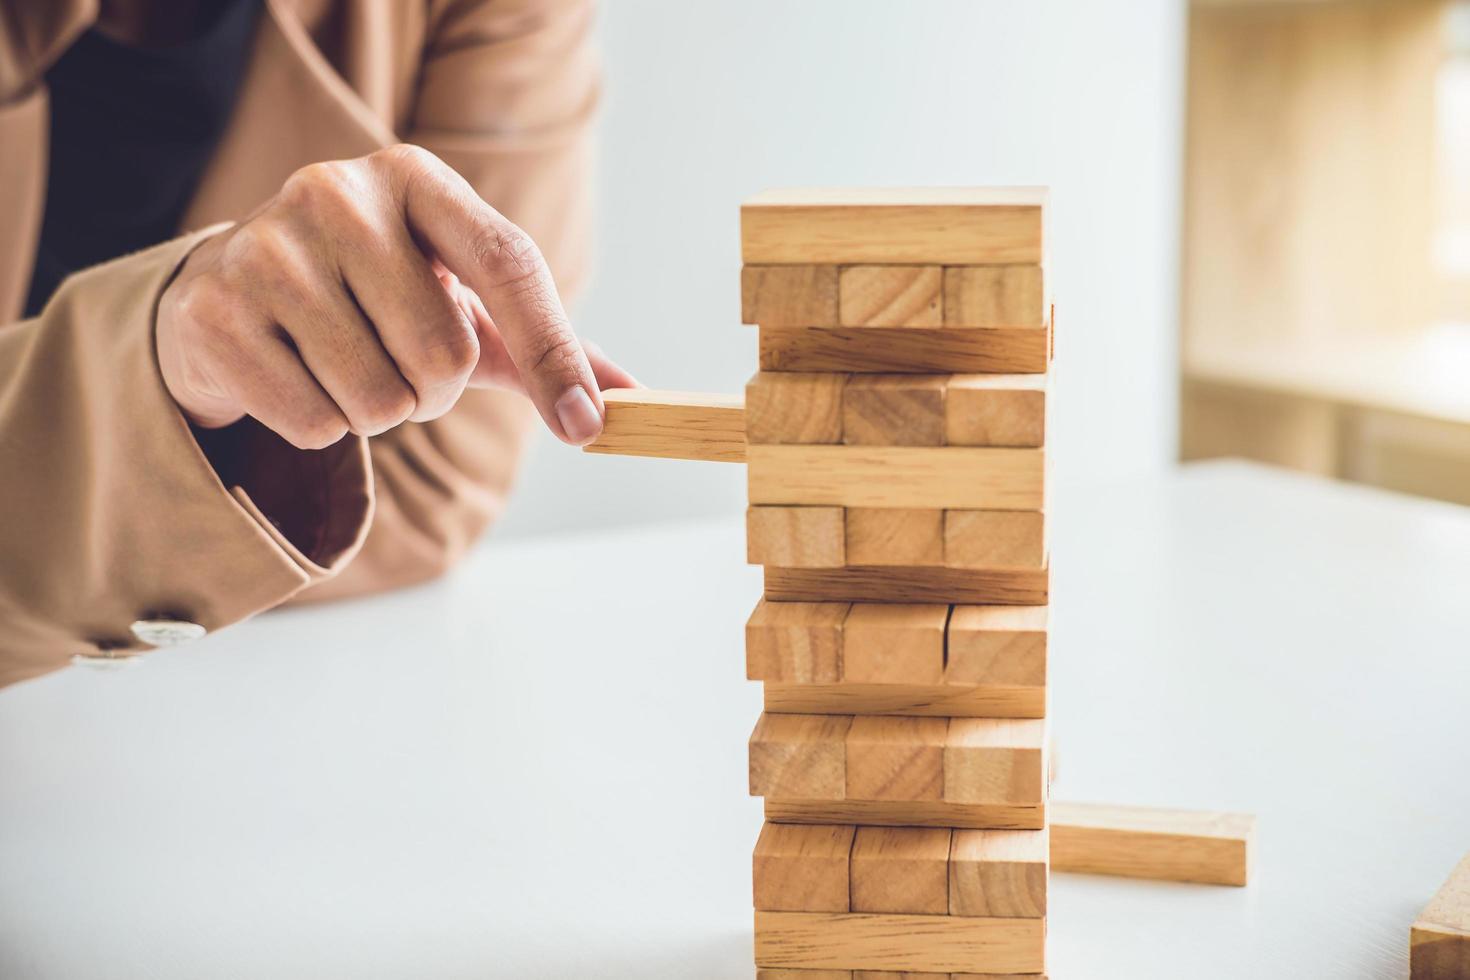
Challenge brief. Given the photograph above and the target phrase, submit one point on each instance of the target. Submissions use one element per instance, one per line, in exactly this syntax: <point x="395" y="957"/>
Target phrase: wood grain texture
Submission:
<point x="996" y="409"/>
<point x="998" y="872"/>
<point x="985" y="586"/>
<point x="898" y="759"/>
<point x="672" y="425"/>
<point x="912" y="813"/>
<point x="1143" y="842"/>
<point x="801" y="756"/>
<point x="802" y="868"/>
<point x="942" y="701"/>
<point x="994" y="296"/>
<point x="894" y="410"/>
<point x="944" y="226"/>
<point x="889" y="941"/>
<point x="997" y="646"/>
<point x="994" y="539"/>
<point x="1007" y="350"/>
<point x="795" y="642"/>
<point x="795" y="537"/>
<point x="995" y="760"/>
<point x="897" y="476"/>
<point x="1439" y="941"/>
<point x="794" y="407"/>
<point x="889" y="296"/>
<point x="789" y="295"/>
<point x="895" y="536"/>
<point x="901" y="869"/>
<point x="894" y="643"/>
<point x="780" y="974"/>
<point x="898" y="975"/>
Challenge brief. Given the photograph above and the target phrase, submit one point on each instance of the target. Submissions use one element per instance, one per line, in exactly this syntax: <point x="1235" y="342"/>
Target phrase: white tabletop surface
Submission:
<point x="536" y="767"/>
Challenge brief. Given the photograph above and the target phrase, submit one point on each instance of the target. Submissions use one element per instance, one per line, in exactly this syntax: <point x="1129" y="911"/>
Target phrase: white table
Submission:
<point x="536" y="768"/>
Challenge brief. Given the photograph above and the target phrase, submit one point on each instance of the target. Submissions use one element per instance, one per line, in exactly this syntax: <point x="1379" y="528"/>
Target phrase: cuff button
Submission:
<point x="166" y="632"/>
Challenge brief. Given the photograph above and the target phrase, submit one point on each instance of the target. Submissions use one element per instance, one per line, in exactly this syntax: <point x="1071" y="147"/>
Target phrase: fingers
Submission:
<point x="269" y="380"/>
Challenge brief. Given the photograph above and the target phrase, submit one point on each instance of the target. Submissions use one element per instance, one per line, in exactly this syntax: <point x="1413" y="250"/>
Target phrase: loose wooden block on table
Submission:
<point x="795" y="537"/>
<point x="921" y="350"/>
<point x="998" y="872"/>
<point x="909" y="813"/>
<point x="794" y="407"/>
<point x="789" y="295"/>
<point x="1000" y="646"/>
<point x="796" y="642"/>
<point x="894" y="941"/>
<point x="894" y="410"/>
<point x="1439" y="942"/>
<point x="934" y="701"/>
<point x="889" y="296"/>
<point x="672" y="425"/>
<point x="901" y="869"/>
<point x="897" y="643"/>
<point x="898" y="759"/>
<point x="799" y="756"/>
<point x="1143" y="842"/>
<point x="895" y="536"/>
<point x="802" y="868"/>
<point x="995" y="760"/>
<point x="994" y="296"/>
<point x="996" y="410"/>
<point x="985" y="586"/>
<point x="941" y="226"/>
<point x="968" y="478"/>
<point x="995" y="539"/>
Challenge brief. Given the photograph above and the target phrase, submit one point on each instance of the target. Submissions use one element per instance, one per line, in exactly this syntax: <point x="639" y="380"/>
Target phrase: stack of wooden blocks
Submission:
<point x="896" y="457"/>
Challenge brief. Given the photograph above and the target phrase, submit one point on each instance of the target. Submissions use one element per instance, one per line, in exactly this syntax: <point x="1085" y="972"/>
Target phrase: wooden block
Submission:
<point x="996" y="410"/>
<point x="897" y="643"/>
<point x="801" y="756"/>
<point x="779" y="974"/>
<point x="921" y="350"/>
<point x="994" y="296"/>
<point x="895" y="536"/>
<point x="901" y="869"/>
<point x="802" y="868"/>
<point x="795" y="642"/>
<point x="994" y="976"/>
<point x="982" y="586"/>
<point x="963" y="478"/>
<point x="897" y="975"/>
<point x="794" y="407"/>
<point x="994" y="760"/>
<point x="789" y="295"/>
<point x="889" y="296"/>
<point x="997" y="646"/>
<point x="894" y="410"/>
<point x="998" y="872"/>
<point x="1439" y="942"/>
<point x="795" y="537"/>
<point x="672" y="425"/>
<point x="994" y="539"/>
<point x="935" y="701"/>
<point x="944" y="226"/>
<point x="1142" y="842"/>
<point x="911" y="813"/>
<point x="895" y="759"/>
<point x="892" y="941"/>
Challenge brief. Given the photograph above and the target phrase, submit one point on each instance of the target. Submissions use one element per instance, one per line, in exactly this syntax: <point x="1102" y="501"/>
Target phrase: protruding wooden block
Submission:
<point x="895" y="758"/>
<point x="922" y="350"/>
<point x="943" y="226"/>
<point x="890" y="296"/>
<point x="802" y="868"/>
<point x="779" y="974"/>
<point x="672" y="425"/>
<point x="789" y="295"/>
<point x="897" y="643"/>
<point x="995" y="539"/>
<point x="795" y="537"/>
<point x="994" y="296"/>
<point x="888" y="583"/>
<point x="901" y="869"/>
<point x="1144" y="842"/>
<point x="794" y="407"/>
<point x="964" y="478"/>
<point x="997" y="645"/>
<point x="799" y="756"/>
<point x="995" y="760"/>
<point x="919" y="700"/>
<point x="894" y="410"/>
<point x="998" y="872"/>
<point x="996" y="410"/>
<point x="910" y="813"/>
<point x="795" y="642"/>
<point x="1439" y="942"/>
<point x="894" y="941"/>
<point x="894" y="536"/>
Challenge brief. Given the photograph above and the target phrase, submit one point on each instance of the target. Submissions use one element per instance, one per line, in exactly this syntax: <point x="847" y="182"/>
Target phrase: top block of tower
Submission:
<point x="930" y="225"/>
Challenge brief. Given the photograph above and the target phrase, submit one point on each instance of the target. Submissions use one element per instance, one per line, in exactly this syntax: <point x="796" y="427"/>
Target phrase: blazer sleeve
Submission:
<point x="506" y="96"/>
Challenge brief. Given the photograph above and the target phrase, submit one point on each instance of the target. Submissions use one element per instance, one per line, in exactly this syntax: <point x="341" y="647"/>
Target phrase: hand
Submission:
<point x="367" y="293"/>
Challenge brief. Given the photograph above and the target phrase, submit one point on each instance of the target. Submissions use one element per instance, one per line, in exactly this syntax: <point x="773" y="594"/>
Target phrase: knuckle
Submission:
<point x="318" y="186"/>
<point x="450" y="359"/>
<point x="316" y="429"/>
<point x="554" y="352"/>
<point x="509" y="251"/>
<point x="406" y="156"/>
<point x="387" y="408"/>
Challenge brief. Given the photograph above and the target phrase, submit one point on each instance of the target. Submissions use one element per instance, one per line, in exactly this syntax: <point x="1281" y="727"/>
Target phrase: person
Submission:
<point x="333" y="236"/>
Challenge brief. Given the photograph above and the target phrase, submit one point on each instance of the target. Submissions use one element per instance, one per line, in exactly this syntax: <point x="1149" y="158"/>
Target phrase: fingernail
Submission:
<point x="578" y="416"/>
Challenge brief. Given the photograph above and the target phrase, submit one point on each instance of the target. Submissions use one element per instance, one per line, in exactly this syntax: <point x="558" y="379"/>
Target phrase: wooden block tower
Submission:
<point x="896" y="454"/>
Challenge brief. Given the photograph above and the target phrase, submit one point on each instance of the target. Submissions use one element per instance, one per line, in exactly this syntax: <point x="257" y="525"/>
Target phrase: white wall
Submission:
<point x="710" y="102"/>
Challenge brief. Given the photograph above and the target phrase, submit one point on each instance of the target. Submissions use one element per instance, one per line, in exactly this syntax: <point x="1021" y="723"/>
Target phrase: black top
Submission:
<point x="131" y="131"/>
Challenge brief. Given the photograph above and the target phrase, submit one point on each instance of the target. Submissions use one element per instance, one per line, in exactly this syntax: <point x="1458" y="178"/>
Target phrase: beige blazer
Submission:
<point x="109" y="511"/>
